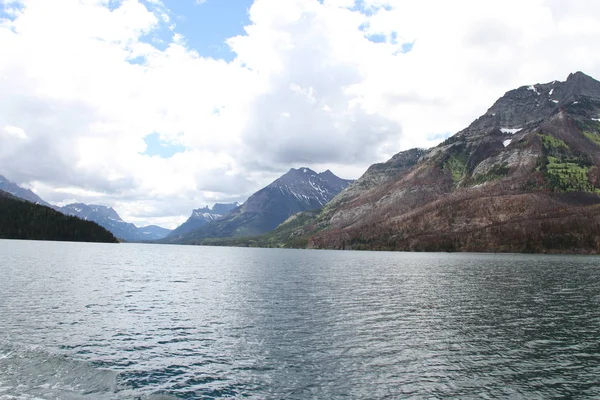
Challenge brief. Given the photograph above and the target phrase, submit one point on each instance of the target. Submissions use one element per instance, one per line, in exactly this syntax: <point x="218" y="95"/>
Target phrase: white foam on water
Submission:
<point x="31" y="372"/>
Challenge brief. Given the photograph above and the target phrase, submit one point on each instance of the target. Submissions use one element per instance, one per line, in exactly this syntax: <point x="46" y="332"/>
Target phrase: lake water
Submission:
<point x="97" y="321"/>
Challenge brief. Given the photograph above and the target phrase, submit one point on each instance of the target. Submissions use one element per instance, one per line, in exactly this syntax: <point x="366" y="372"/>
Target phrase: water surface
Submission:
<point x="97" y="321"/>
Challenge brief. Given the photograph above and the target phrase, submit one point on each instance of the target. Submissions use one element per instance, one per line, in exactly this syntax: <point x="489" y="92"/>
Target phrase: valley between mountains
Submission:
<point x="523" y="177"/>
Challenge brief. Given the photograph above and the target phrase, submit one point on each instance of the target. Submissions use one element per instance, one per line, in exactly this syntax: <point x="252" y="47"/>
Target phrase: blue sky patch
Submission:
<point x="207" y="25"/>
<point x="439" y="136"/>
<point x="406" y="47"/>
<point x="359" y="5"/>
<point x="157" y="147"/>
<point x="376" y="38"/>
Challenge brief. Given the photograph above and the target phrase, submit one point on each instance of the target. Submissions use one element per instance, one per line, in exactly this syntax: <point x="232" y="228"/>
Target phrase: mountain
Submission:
<point x="21" y="219"/>
<point x="202" y="216"/>
<point x="524" y="177"/>
<point x="298" y="190"/>
<point x="108" y="218"/>
<point x="17" y="191"/>
<point x="153" y="232"/>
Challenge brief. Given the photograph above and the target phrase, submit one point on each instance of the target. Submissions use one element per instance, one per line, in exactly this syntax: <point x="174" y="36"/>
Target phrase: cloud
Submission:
<point x="15" y="131"/>
<point x="308" y="112"/>
<point x="309" y="85"/>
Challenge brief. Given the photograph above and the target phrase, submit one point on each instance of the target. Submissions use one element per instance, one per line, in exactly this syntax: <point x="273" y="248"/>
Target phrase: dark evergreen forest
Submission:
<point x="20" y="219"/>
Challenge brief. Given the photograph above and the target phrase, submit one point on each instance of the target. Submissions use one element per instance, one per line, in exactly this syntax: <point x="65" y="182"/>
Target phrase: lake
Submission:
<point x="99" y="321"/>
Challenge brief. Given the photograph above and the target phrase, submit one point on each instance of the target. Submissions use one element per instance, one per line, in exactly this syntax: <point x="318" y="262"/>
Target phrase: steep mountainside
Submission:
<point x="298" y="190"/>
<point x="21" y="219"/>
<point x="109" y="219"/>
<point x="202" y="216"/>
<point x="525" y="176"/>
<point x="17" y="191"/>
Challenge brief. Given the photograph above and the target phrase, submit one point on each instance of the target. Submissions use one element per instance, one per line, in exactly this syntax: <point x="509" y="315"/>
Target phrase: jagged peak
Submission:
<point x="580" y="76"/>
<point x="217" y="208"/>
<point x="533" y="103"/>
<point x="300" y="170"/>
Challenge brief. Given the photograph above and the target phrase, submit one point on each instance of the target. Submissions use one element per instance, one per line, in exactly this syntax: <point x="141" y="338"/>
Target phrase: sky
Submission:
<point x="158" y="107"/>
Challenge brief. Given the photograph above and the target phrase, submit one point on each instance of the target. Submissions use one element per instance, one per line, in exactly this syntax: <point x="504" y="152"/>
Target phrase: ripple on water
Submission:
<point x="83" y="321"/>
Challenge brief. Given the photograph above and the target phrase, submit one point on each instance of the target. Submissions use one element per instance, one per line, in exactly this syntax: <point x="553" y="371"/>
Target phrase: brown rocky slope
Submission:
<point x="524" y="177"/>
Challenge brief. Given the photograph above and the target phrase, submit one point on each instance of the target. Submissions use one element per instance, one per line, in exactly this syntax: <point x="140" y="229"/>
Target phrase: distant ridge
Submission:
<point x="110" y="219"/>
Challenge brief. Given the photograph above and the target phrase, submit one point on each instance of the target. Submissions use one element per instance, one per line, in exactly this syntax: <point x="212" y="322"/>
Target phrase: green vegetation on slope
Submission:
<point x="564" y="170"/>
<point x="20" y="219"/>
<point x="551" y="143"/>
<point x="457" y="165"/>
<point x="593" y="136"/>
<point x="565" y="176"/>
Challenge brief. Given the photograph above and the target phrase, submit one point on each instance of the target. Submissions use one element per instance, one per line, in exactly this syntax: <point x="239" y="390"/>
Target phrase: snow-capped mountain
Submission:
<point x="17" y="191"/>
<point x="298" y="190"/>
<point x="108" y="218"/>
<point x="202" y="216"/>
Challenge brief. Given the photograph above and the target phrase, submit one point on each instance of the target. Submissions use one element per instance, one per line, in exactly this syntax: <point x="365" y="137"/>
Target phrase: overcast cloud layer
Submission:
<point x="81" y="86"/>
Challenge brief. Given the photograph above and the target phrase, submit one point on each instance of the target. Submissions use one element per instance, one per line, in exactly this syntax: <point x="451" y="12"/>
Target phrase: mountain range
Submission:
<point x="523" y="177"/>
<point x="298" y="190"/>
<point x="108" y="218"/>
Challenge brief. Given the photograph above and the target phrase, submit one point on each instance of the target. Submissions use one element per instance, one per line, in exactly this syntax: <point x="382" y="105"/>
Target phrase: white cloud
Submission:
<point x="306" y="88"/>
<point x="15" y="131"/>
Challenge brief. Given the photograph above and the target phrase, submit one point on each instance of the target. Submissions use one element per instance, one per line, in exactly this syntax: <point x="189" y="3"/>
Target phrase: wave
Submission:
<point x="31" y="372"/>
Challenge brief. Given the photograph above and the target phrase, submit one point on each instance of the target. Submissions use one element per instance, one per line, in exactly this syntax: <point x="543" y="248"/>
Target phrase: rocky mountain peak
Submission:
<point x="218" y="210"/>
<point x="527" y="106"/>
<point x="91" y="211"/>
<point x="579" y="84"/>
<point x="202" y="216"/>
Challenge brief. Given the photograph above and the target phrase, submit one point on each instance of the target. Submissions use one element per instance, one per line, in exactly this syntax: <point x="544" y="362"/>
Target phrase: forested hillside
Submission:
<point x="20" y="219"/>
